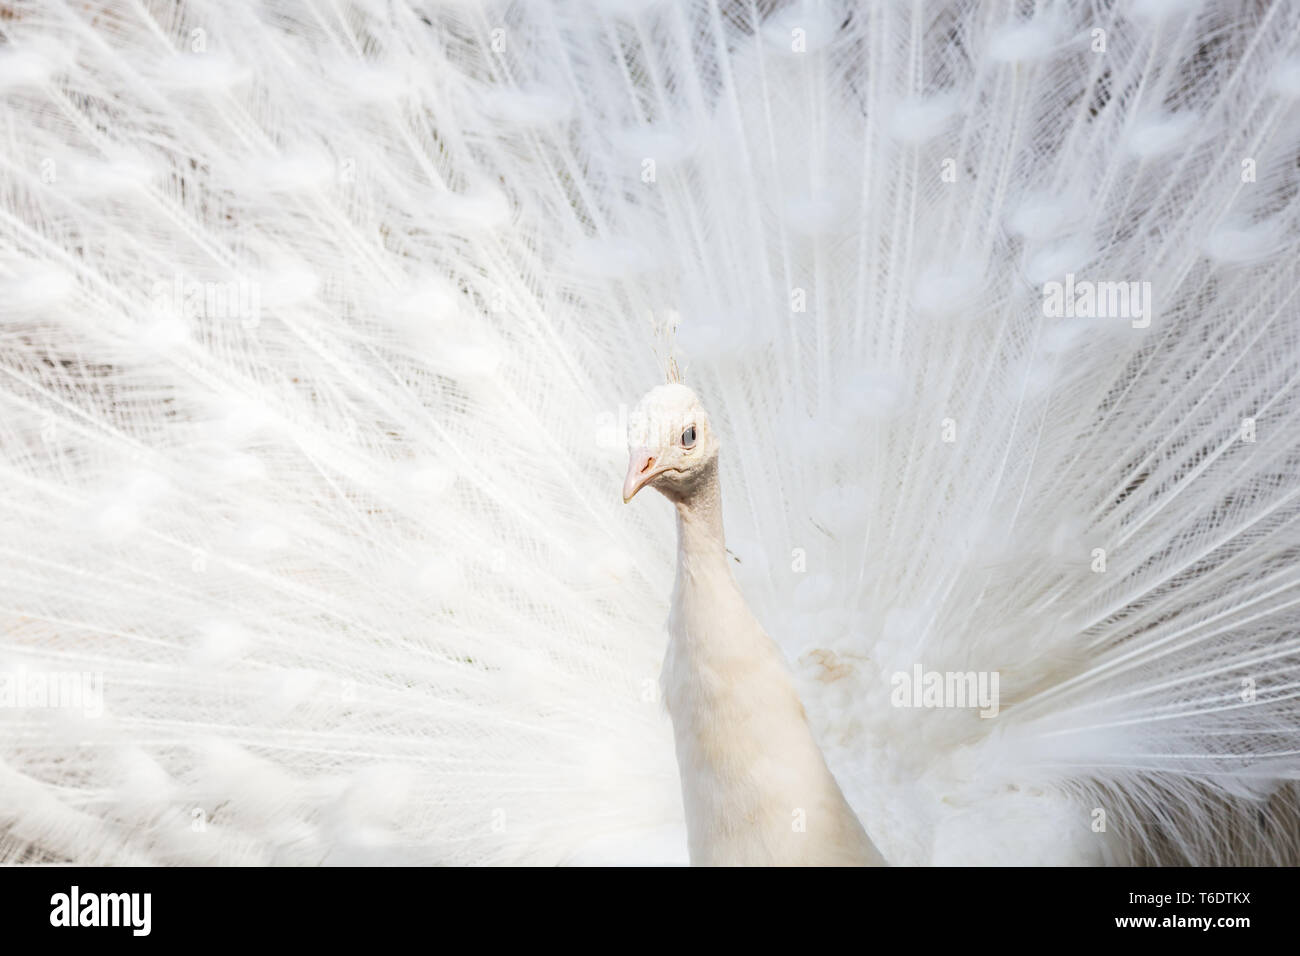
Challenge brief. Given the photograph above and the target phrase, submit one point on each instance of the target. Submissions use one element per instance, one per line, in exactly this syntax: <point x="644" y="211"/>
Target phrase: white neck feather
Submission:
<point x="755" y="785"/>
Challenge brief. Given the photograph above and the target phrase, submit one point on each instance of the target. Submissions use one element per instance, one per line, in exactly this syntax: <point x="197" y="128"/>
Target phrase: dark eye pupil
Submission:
<point x="688" y="437"/>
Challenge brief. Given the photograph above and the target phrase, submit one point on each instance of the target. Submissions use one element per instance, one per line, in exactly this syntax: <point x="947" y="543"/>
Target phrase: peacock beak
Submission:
<point x="640" y="469"/>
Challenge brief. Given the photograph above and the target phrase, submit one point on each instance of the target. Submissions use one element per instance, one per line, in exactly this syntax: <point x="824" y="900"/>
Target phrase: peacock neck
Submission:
<point x="748" y="761"/>
<point x="700" y="537"/>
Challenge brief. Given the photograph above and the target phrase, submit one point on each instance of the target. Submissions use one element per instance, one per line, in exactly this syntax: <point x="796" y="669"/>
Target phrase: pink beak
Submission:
<point x="640" y="469"/>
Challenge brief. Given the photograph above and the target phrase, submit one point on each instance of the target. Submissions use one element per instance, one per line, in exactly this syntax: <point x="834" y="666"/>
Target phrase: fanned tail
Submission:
<point x="319" y="326"/>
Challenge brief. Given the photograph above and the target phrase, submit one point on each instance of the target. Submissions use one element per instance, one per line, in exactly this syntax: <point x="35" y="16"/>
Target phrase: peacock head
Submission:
<point x="671" y="446"/>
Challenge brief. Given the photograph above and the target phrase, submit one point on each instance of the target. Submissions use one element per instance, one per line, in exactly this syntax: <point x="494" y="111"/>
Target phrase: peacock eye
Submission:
<point x="688" y="436"/>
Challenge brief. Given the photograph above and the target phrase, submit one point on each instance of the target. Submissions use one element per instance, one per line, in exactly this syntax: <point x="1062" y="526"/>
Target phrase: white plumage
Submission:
<point x="320" y="321"/>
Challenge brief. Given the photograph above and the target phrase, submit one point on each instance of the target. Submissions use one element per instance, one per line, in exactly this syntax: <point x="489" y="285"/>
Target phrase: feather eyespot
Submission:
<point x="688" y="437"/>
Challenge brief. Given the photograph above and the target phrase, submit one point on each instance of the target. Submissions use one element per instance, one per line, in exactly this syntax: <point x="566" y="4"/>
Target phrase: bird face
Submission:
<point x="670" y="443"/>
